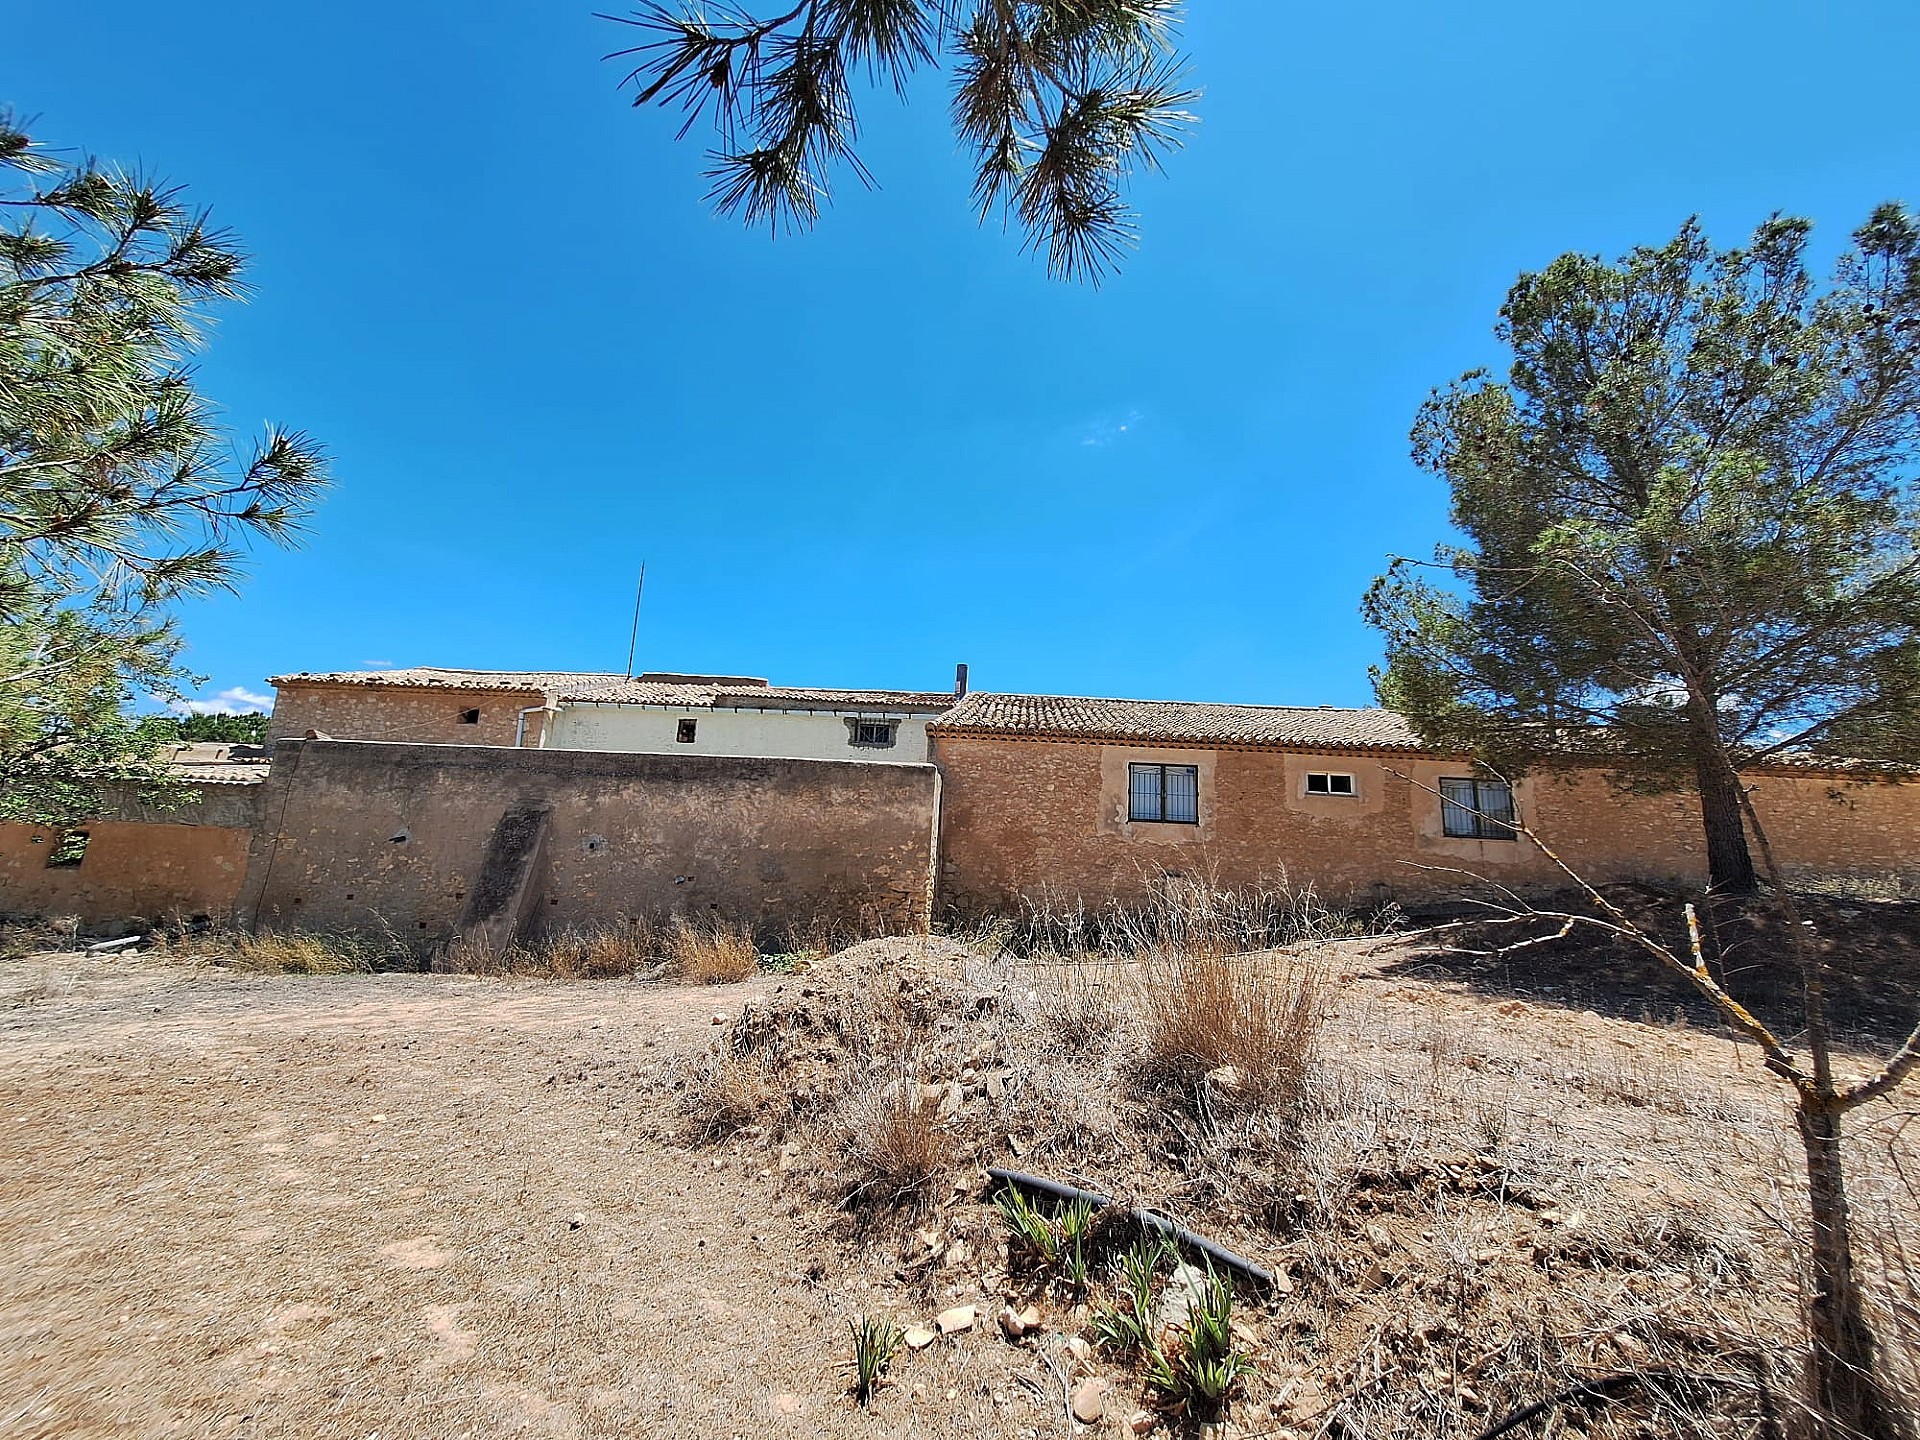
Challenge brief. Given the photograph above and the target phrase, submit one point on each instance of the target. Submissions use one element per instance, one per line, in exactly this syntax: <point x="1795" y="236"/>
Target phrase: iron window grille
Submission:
<point x="1477" y="809"/>
<point x="872" y="734"/>
<point x="1165" y="794"/>
<point x="1329" y="783"/>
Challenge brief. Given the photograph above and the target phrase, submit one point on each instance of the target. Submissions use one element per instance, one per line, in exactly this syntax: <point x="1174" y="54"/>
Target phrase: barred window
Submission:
<point x="1477" y="809"/>
<point x="1166" y="793"/>
<point x="872" y="734"/>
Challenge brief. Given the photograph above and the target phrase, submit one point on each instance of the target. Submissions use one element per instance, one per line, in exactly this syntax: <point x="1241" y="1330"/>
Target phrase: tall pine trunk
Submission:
<point x="1729" y="863"/>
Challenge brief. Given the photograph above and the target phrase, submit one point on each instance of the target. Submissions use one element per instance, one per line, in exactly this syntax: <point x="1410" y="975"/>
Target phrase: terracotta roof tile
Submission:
<point x="1323" y="727"/>
<point x="768" y="697"/>
<point x="439" y="677"/>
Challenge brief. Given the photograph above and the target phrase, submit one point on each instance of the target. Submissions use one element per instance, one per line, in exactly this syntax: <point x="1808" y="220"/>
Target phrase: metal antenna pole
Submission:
<point x="633" y="642"/>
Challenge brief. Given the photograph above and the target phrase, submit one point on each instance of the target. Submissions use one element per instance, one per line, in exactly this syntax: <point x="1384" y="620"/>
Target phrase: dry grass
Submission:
<point x="1252" y="1021"/>
<point x="710" y="952"/>
<point x="294" y="952"/>
<point x="892" y="1134"/>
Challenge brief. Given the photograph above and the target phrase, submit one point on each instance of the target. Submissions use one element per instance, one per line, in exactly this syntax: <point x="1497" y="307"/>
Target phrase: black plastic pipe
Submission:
<point x="1147" y="1219"/>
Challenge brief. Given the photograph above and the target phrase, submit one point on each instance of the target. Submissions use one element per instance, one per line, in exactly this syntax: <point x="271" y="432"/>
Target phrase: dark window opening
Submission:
<point x="872" y="734"/>
<point x="69" y="851"/>
<point x="685" y="735"/>
<point x="469" y="717"/>
<point x="1477" y="809"/>
<point x="1329" y="783"/>
<point x="1169" y="794"/>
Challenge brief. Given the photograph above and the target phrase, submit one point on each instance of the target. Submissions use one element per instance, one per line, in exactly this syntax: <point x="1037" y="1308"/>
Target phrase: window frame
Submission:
<point x="1161" y="791"/>
<point x="1352" y="792"/>
<point x="857" y="723"/>
<point x="686" y="730"/>
<point x="1479" y="814"/>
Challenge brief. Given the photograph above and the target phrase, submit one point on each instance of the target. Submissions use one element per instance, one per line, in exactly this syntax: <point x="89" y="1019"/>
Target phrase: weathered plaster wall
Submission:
<point x="1022" y="816"/>
<point x="390" y="712"/>
<point x="797" y="734"/>
<point x="151" y="865"/>
<point x="360" y="835"/>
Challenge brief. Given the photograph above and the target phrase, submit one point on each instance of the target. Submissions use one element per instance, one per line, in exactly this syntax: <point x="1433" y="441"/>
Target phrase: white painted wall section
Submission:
<point x="783" y="734"/>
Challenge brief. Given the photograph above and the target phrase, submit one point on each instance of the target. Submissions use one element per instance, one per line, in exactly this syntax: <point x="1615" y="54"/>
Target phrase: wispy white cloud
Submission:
<point x="378" y="664"/>
<point x="1110" y="429"/>
<point x="238" y="700"/>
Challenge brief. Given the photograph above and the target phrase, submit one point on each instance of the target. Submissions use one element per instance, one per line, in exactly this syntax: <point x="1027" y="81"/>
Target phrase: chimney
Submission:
<point x="959" y="681"/>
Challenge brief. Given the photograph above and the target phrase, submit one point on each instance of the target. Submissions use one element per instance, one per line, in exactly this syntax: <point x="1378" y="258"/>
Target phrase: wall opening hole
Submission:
<point x="68" y="851"/>
<point x="685" y="735"/>
<point x="299" y="900"/>
<point x="469" y="717"/>
<point x="349" y="895"/>
<point x="399" y="837"/>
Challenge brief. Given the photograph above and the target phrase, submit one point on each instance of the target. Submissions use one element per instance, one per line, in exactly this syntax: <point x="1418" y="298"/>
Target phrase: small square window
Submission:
<point x="872" y="734"/>
<point x="685" y="734"/>
<point x="1168" y="794"/>
<point x="1324" y="782"/>
<point x="469" y="717"/>
<point x="69" y="851"/>
<point x="1477" y="810"/>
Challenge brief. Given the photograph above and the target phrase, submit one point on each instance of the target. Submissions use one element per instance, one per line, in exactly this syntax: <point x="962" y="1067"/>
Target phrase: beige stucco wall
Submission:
<point x="790" y="734"/>
<point x="131" y="870"/>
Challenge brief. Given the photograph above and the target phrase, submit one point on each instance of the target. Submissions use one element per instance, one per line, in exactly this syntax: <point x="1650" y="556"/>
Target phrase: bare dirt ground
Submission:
<point x="393" y="1206"/>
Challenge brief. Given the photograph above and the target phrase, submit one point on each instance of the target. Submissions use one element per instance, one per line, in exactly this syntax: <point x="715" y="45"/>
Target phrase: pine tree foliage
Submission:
<point x="1059" y="102"/>
<point x="120" y="491"/>
<point x="1689" y="520"/>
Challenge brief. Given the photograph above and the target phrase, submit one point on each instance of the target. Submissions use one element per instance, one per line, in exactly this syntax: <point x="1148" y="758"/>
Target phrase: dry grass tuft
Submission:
<point x="304" y="952"/>
<point x="1258" y="1017"/>
<point x="712" y="952"/>
<point x="893" y="1136"/>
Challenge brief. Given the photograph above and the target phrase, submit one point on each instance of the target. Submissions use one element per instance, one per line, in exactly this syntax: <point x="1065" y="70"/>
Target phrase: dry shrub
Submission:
<point x="303" y="952"/>
<point x="727" y="1093"/>
<point x="711" y="952"/>
<point x="1185" y="914"/>
<point x="606" y="953"/>
<point x="893" y="1135"/>
<point x="1259" y="1014"/>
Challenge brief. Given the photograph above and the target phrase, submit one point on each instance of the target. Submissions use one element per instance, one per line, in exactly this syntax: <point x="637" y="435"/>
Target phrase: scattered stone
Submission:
<point x="1080" y="1349"/>
<point x="919" y="1337"/>
<point x="1141" y="1422"/>
<point x="1227" y="1082"/>
<point x="719" y="1019"/>
<point x="950" y="1101"/>
<point x="1018" y="1323"/>
<point x="1089" y="1400"/>
<point x="958" y="1254"/>
<point x="1184" y="1290"/>
<point x="576" y="1221"/>
<point x="952" y="1322"/>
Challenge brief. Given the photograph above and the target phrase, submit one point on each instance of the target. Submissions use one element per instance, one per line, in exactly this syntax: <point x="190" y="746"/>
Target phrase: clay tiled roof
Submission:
<point x="207" y="763"/>
<point x="645" y="691"/>
<point x="439" y="677"/>
<point x="1179" y="722"/>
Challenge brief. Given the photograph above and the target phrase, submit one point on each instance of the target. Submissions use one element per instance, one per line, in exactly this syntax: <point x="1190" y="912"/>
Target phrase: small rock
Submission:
<point x="379" y="1119"/>
<point x="952" y="1322"/>
<point x="919" y="1337"/>
<point x="1080" y="1349"/>
<point x="576" y="1222"/>
<point x="950" y="1101"/>
<point x="1184" y="1290"/>
<point x="1089" y="1400"/>
<point x="1226" y="1081"/>
<point x="1140" y="1422"/>
<point x="1017" y="1323"/>
<point x="719" y="1019"/>
<point x="957" y="1255"/>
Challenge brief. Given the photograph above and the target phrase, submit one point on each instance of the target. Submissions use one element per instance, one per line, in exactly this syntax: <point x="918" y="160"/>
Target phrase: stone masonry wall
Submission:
<point x="361" y="835"/>
<point x="391" y="712"/>
<point x="1022" y="817"/>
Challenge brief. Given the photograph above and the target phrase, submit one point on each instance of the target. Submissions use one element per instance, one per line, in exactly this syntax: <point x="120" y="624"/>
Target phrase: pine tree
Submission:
<point x="1689" y="523"/>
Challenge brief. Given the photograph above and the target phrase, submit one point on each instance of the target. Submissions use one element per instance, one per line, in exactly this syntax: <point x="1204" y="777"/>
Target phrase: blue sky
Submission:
<point x="856" y="456"/>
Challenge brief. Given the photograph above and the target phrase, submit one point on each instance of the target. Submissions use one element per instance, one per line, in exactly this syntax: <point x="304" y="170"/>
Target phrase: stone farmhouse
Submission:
<point x="432" y="802"/>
